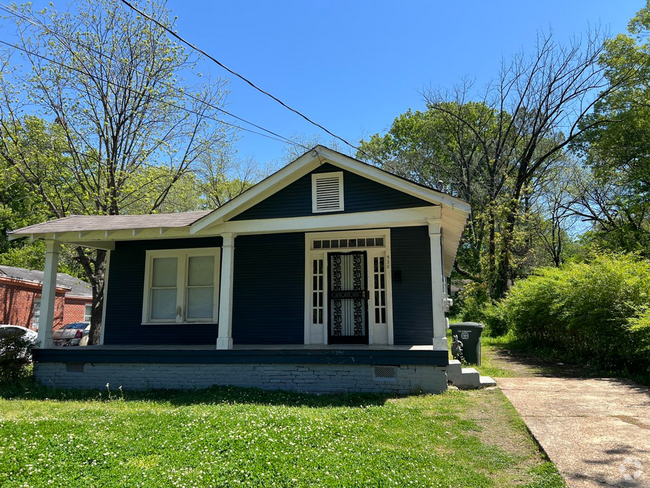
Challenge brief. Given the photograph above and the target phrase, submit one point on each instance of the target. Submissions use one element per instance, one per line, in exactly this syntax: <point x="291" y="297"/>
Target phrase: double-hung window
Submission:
<point x="181" y="285"/>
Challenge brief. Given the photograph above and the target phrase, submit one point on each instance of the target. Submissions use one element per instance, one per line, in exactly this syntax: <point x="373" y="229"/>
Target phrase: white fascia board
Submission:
<point x="98" y="240"/>
<point x="384" y="218"/>
<point x="278" y="180"/>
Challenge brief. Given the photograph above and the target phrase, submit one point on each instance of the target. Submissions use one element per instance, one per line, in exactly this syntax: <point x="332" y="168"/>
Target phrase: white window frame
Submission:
<point x="88" y="306"/>
<point x="314" y="178"/>
<point x="182" y="256"/>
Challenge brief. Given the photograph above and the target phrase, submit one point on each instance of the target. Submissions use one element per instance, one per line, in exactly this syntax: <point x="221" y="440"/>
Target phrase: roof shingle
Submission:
<point x="87" y="223"/>
<point x="78" y="288"/>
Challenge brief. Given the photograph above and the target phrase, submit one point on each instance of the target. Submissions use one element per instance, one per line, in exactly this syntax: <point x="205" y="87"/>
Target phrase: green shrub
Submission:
<point x="593" y="311"/>
<point x="495" y="322"/>
<point x="15" y="356"/>
<point x="640" y="339"/>
<point x="472" y="299"/>
<point x="477" y="306"/>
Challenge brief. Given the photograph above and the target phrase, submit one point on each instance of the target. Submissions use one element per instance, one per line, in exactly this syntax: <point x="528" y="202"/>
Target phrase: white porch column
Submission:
<point x="437" y="288"/>
<point x="48" y="294"/>
<point x="224" y="339"/>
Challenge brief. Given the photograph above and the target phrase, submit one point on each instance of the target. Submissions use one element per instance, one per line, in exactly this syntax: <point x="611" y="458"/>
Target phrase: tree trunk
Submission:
<point x="504" y="268"/>
<point x="95" y="270"/>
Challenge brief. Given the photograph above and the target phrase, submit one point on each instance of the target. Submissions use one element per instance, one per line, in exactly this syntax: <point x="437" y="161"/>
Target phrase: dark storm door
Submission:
<point x="348" y="298"/>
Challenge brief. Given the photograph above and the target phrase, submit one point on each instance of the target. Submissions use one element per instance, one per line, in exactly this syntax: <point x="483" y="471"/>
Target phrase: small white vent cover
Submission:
<point x="327" y="192"/>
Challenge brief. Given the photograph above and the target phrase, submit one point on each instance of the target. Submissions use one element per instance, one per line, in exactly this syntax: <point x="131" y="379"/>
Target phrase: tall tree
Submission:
<point x="615" y="197"/>
<point x="540" y="102"/>
<point x="504" y="138"/>
<point x="120" y="125"/>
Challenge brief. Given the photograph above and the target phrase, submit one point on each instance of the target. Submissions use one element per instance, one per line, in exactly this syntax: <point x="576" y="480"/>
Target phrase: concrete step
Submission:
<point x="486" y="381"/>
<point x="464" y="378"/>
<point x="454" y="371"/>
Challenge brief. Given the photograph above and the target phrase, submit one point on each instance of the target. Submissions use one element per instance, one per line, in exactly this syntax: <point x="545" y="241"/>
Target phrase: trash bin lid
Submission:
<point x="475" y="325"/>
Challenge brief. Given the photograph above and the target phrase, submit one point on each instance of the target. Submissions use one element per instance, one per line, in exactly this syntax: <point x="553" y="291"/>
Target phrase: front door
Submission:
<point x="348" y="298"/>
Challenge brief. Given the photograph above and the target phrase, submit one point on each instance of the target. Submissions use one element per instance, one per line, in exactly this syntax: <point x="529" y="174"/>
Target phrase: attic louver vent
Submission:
<point x="327" y="192"/>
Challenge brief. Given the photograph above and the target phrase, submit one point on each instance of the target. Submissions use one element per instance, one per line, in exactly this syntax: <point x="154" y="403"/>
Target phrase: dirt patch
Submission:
<point x="499" y="425"/>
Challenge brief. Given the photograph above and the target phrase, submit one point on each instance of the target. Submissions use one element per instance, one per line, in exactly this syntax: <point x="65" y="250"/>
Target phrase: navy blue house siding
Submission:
<point x="125" y="290"/>
<point x="360" y="195"/>
<point x="412" y="300"/>
<point x="269" y="289"/>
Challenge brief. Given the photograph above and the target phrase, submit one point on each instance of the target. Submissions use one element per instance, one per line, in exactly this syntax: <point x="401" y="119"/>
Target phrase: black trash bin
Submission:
<point x="469" y="333"/>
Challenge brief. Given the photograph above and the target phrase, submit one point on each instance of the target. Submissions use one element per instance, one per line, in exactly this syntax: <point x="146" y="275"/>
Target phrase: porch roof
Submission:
<point x="89" y="223"/>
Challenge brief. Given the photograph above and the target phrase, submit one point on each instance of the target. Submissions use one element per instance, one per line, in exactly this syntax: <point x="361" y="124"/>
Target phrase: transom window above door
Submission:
<point x="181" y="285"/>
<point x="348" y="243"/>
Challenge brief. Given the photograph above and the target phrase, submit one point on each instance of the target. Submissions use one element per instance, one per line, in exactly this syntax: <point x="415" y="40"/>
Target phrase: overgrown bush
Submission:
<point x="15" y="356"/>
<point x="477" y="306"/>
<point x="596" y="311"/>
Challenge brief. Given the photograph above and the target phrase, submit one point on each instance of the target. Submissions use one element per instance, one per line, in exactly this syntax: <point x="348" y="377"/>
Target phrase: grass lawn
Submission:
<point x="246" y="437"/>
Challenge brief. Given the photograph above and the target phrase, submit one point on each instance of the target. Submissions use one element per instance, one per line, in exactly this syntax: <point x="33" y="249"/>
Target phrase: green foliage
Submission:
<point x="15" y="357"/>
<point x="595" y="312"/>
<point x="477" y="306"/>
<point x="617" y="144"/>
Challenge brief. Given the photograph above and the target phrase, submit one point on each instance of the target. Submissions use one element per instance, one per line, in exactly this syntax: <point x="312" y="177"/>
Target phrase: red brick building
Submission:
<point x="20" y="298"/>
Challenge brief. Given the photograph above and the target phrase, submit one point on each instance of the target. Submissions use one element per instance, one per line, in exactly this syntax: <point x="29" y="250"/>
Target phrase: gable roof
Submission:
<point x="76" y="287"/>
<point x="307" y="163"/>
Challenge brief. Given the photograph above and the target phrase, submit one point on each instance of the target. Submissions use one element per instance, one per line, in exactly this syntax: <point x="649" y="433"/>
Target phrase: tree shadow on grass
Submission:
<point x="545" y="362"/>
<point x="27" y="388"/>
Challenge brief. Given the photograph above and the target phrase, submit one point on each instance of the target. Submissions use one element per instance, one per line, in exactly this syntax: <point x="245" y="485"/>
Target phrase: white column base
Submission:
<point x="440" y="344"/>
<point x="224" y="343"/>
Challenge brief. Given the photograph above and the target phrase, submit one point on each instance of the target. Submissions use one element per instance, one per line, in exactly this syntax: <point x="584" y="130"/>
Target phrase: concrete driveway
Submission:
<point x="596" y="431"/>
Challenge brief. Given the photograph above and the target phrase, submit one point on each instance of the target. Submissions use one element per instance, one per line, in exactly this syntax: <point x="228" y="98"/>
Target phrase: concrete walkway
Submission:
<point x="596" y="431"/>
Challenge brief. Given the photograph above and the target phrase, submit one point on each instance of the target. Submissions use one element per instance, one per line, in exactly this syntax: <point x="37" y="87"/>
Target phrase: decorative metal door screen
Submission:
<point x="348" y="296"/>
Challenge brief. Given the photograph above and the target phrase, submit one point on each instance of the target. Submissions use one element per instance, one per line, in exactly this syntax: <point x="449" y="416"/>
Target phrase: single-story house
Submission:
<point x="20" y="298"/>
<point x="329" y="275"/>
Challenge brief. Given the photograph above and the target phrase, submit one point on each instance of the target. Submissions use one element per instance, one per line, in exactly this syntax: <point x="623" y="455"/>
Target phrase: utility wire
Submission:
<point x="197" y="49"/>
<point x="8" y="10"/>
<point x="279" y="138"/>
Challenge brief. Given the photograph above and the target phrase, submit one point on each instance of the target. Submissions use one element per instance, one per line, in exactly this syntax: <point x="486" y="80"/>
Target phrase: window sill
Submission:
<point x="180" y="323"/>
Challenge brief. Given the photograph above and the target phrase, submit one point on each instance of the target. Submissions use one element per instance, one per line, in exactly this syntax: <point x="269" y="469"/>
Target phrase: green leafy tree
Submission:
<point x="101" y="90"/>
<point x="616" y="195"/>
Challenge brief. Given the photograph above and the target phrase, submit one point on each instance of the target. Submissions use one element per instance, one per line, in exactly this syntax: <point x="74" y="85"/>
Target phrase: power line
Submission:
<point x="279" y="138"/>
<point x="197" y="49"/>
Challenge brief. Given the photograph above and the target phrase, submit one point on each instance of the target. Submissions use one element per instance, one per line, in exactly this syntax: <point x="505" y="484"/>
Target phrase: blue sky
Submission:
<point x="354" y="65"/>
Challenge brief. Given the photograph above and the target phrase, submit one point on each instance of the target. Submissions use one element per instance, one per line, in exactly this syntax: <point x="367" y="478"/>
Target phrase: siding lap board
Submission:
<point x="360" y="195"/>
<point x="269" y="289"/>
<point x="412" y="297"/>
